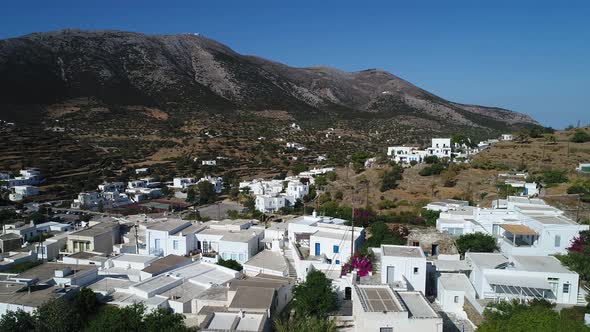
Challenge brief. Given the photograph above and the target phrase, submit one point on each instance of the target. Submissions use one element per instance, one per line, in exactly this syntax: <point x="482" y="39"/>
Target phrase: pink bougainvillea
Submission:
<point x="362" y="264"/>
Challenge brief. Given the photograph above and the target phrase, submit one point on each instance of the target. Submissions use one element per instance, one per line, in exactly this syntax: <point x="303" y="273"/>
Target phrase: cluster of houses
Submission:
<point x="166" y="262"/>
<point x="22" y="186"/>
<point x="528" y="232"/>
<point x="441" y="148"/>
<point x="272" y="195"/>
<point x="120" y="194"/>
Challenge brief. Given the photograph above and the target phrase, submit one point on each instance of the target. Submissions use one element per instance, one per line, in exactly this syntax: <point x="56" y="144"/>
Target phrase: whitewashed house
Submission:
<point x="507" y="277"/>
<point x="380" y="308"/>
<point x="402" y="266"/>
<point x="183" y="183"/>
<point x="506" y="137"/>
<point x="523" y="226"/>
<point x="441" y="147"/>
<point x="21" y="192"/>
<point x="296" y="191"/>
<point x="271" y="202"/>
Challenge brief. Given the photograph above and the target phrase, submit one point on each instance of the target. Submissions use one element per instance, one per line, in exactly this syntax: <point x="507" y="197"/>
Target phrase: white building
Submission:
<point x="209" y="162"/>
<point x="504" y="277"/>
<point x="171" y="237"/>
<point x="403" y="266"/>
<point x="583" y="168"/>
<point x="380" y="308"/>
<point x="452" y="289"/>
<point x="447" y="205"/>
<point x="296" y="190"/>
<point x="406" y="154"/>
<point x="522" y="226"/>
<point x="217" y="182"/>
<point x="324" y="239"/>
<point x="271" y="202"/>
<point x="441" y="147"/>
<point x="183" y="183"/>
<point x="21" y="192"/>
<point x="506" y="137"/>
<point x="230" y="239"/>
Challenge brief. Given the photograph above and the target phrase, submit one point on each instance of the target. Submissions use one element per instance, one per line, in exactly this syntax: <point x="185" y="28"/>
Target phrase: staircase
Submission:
<point x="582" y="293"/>
<point x="288" y="255"/>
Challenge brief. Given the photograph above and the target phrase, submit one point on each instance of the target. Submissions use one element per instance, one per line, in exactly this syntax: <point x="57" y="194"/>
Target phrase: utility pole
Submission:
<point x="136" y="239"/>
<point x="578" y="210"/>
<point x="352" y="230"/>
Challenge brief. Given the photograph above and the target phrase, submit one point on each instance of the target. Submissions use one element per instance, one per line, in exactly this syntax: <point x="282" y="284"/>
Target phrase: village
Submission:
<point x="229" y="256"/>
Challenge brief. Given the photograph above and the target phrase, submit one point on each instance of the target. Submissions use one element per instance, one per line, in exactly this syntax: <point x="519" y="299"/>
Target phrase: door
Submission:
<point x="348" y="293"/>
<point x="390" y="274"/>
<point x="317" y="249"/>
<point x="434" y="250"/>
<point x="565" y="295"/>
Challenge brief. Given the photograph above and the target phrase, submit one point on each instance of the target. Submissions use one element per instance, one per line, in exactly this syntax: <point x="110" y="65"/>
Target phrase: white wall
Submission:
<point x="404" y="267"/>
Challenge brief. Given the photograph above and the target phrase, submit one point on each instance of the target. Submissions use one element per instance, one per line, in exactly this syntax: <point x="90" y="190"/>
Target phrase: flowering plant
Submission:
<point x="362" y="264"/>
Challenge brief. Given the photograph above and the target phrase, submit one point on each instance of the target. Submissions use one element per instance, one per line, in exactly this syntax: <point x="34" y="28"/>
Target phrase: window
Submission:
<point x="336" y="249"/>
<point x="557" y="240"/>
<point x="205" y="247"/>
<point x="415" y="270"/>
<point x="241" y="257"/>
<point x="175" y="244"/>
<point x="456" y="299"/>
<point x="566" y="288"/>
<point x="416" y="244"/>
<point x="234" y="257"/>
<point x="337" y="262"/>
<point x="157" y="244"/>
<point x="87" y="245"/>
<point x="386" y="329"/>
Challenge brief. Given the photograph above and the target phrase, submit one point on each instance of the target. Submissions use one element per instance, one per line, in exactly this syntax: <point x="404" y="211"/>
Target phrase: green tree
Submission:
<point x="389" y="179"/>
<point x="230" y="264"/>
<point x="380" y="233"/>
<point x="17" y="321"/>
<point x="206" y="191"/>
<point x="551" y="177"/>
<point x="164" y="320"/>
<point x="299" y="167"/>
<point x="314" y="297"/>
<point x="115" y="319"/>
<point x="191" y="195"/>
<point x="57" y="316"/>
<point x="536" y="316"/>
<point x="430" y="216"/>
<point x="476" y="242"/>
<point x="580" y="137"/>
<point x="85" y="302"/>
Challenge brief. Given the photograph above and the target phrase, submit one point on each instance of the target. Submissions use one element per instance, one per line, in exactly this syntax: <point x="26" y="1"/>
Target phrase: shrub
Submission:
<point x="434" y="169"/>
<point x="476" y="242"/>
<point x="580" y="137"/>
<point x="551" y="177"/>
<point x="230" y="264"/>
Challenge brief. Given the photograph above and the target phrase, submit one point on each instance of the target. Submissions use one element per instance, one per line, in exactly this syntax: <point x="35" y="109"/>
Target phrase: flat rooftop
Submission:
<point x="486" y="260"/>
<point x="454" y="281"/>
<point x="539" y="264"/>
<point x="168" y="225"/>
<point x="268" y="259"/>
<point x="133" y="258"/>
<point x="253" y="298"/>
<point x="46" y="271"/>
<point x="92" y="231"/>
<point x="417" y="305"/>
<point x="553" y="220"/>
<point x="401" y="251"/>
<point x="378" y="299"/>
<point x="166" y="263"/>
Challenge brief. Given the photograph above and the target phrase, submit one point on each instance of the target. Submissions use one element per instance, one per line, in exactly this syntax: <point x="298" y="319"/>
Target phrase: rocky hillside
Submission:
<point x="184" y="74"/>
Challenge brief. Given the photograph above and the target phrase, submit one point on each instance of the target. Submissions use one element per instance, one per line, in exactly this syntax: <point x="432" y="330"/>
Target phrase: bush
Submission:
<point x="580" y="137"/>
<point x="476" y="242"/>
<point x="430" y="216"/>
<point x="431" y="160"/>
<point x="434" y="169"/>
<point x="390" y="178"/>
<point x="551" y="177"/>
<point x="314" y="297"/>
<point x="386" y="204"/>
<point x="230" y="264"/>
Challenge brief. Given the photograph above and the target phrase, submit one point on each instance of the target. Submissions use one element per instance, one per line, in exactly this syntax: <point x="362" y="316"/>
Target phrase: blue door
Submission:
<point x="317" y="249"/>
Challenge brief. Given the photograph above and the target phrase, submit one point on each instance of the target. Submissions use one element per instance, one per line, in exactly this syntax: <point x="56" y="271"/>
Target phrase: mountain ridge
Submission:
<point x="192" y="72"/>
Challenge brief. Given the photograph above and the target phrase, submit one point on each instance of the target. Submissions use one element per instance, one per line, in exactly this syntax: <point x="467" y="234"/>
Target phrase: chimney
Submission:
<point x="314" y="214"/>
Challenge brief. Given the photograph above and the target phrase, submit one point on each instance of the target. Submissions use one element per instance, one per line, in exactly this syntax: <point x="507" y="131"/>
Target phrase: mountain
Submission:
<point x="188" y="74"/>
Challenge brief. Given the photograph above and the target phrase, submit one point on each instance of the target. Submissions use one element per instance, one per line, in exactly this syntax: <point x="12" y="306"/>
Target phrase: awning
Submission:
<point x="519" y="229"/>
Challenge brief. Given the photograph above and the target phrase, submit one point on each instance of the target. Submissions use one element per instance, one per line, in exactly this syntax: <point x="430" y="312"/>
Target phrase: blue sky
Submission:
<point x="528" y="56"/>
